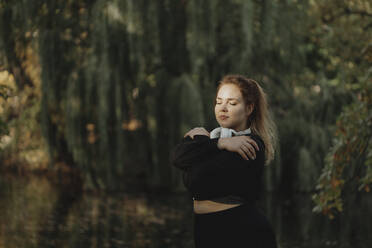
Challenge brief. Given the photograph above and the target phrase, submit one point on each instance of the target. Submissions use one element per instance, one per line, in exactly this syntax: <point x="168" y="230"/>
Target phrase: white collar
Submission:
<point x="222" y="132"/>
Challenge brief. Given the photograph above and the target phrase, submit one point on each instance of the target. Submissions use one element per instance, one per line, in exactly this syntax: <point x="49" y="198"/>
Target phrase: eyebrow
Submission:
<point x="237" y="99"/>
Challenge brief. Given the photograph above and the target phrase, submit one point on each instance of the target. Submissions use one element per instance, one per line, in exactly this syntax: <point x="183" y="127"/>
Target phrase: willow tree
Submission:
<point x="122" y="81"/>
<point x="4" y="93"/>
<point x="98" y="79"/>
<point x="14" y="40"/>
<point x="344" y="31"/>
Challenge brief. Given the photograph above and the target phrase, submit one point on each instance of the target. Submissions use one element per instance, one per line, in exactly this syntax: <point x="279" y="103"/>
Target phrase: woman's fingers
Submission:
<point x="197" y="131"/>
<point x="186" y="134"/>
<point x="242" y="153"/>
<point x="252" y="142"/>
<point x="249" y="146"/>
<point x="245" y="146"/>
<point x="249" y="150"/>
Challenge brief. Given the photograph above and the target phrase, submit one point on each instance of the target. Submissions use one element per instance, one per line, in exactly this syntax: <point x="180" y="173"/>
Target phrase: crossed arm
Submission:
<point x="244" y="145"/>
<point x="209" y="171"/>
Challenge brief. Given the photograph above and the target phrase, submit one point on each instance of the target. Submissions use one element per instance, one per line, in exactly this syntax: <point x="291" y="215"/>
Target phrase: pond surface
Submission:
<point x="33" y="213"/>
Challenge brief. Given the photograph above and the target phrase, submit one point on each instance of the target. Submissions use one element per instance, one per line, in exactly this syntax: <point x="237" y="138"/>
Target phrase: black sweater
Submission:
<point x="209" y="172"/>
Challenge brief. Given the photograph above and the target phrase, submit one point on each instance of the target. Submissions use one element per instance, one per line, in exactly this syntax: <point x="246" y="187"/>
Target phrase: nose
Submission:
<point x="224" y="107"/>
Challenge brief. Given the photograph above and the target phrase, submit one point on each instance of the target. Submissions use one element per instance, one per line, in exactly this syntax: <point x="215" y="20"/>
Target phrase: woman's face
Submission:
<point x="230" y="110"/>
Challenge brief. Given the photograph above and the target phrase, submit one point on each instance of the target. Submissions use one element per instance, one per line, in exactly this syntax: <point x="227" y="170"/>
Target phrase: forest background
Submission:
<point x="100" y="91"/>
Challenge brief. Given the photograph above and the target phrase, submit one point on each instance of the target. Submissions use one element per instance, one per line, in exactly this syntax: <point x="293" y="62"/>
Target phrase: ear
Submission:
<point x="249" y="109"/>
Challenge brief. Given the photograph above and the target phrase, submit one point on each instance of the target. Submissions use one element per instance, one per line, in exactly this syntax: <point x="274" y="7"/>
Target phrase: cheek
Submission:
<point x="238" y="112"/>
<point x="216" y="110"/>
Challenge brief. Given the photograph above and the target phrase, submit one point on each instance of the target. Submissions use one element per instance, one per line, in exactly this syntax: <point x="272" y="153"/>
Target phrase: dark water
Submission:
<point x="33" y="213"/>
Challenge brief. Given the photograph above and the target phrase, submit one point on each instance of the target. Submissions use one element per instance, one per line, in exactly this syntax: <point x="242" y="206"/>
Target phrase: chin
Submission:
<point x="224" y="125"/>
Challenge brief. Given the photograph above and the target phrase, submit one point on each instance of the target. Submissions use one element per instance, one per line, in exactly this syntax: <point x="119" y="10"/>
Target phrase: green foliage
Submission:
<point x="343" y="32"/>
<point x="119" y="77"/>
<point x="351" y="148"/>
<point x="5" y="92"/>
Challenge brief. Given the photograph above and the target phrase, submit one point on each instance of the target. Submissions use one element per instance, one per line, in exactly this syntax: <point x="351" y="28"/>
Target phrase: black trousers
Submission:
<point x="244" y="226"/>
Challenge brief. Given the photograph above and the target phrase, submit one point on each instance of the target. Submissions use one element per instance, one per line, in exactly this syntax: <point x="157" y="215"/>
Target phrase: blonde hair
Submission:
<point x="260" y="120"/>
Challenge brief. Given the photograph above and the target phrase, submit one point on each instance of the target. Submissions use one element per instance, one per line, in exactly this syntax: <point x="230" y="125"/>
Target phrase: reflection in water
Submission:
<point x="297" y="226"/>
<point x="35" y="214"/>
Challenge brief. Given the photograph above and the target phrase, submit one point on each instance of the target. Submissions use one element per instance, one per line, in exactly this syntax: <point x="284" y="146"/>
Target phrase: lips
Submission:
<point x="223" y="117"/>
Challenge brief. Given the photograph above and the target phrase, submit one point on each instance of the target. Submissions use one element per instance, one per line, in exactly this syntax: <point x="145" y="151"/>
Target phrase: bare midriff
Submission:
<point x="207" y="206"/>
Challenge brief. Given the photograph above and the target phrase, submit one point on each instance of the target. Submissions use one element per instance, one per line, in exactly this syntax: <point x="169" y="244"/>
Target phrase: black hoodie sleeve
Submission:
<point x="209" y="172"/>
<point x="191" y="151"/>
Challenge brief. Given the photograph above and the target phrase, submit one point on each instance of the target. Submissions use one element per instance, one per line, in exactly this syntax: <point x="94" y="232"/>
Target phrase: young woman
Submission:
<point x="223" y="169"/>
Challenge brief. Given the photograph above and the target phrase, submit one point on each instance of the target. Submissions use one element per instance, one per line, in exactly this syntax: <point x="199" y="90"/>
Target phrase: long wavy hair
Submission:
<point x="260" y="120"/>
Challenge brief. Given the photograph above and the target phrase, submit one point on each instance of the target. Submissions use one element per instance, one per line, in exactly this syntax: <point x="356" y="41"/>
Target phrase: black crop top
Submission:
<point x="210" y="173"/>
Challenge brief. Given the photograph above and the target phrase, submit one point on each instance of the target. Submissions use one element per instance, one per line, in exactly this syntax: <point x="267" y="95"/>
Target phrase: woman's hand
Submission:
<point x="244" y="145"/>
<point x="197" y="131"/>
